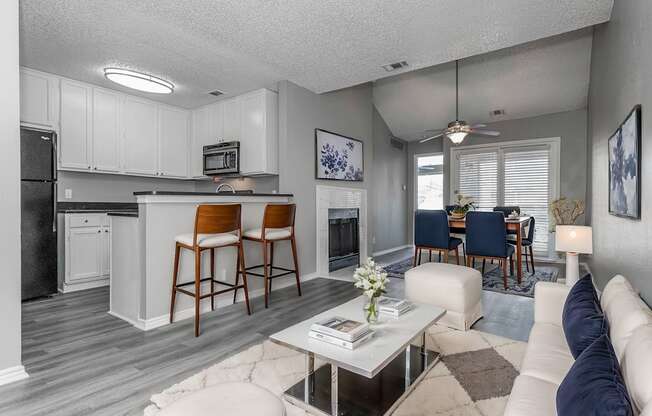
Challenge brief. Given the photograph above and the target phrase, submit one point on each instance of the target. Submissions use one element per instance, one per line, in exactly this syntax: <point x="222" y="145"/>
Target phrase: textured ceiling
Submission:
<point x="240" y="45"/>
<point x="541" y="77"/>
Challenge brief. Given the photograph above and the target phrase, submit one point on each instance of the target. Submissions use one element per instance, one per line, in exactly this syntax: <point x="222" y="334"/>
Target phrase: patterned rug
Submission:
<point x="473" y="378"/>
<point x="493" y="277"/>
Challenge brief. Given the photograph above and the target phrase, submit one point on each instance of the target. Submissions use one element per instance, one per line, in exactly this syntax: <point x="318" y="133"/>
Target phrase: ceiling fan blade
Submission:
<point x="486" y="132"/>
<point x="431" y="138"/>
<point x="475" y="126"/>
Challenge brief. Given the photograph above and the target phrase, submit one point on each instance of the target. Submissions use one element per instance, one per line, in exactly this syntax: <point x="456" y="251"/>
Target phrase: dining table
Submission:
<point x="512" y="225"/>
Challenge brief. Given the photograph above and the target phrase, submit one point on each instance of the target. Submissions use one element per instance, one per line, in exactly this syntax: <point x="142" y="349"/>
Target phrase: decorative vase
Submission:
<point x="371" y="310"/>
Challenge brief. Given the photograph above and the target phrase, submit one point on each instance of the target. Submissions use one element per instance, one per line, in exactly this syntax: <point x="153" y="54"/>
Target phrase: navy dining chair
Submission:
<point x="486" y="238"/>
<point x="526" y="242"/>
<point x="431" y="232"/>
<point x="506" y="210"/>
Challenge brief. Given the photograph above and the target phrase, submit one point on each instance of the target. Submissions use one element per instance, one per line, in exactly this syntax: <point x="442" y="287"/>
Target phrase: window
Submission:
<point x="430" y="181"/>
<point x="522" y="173"/>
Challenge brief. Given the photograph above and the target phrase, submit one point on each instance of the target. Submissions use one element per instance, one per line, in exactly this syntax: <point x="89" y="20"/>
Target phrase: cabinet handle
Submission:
<point x="99" y="231"/>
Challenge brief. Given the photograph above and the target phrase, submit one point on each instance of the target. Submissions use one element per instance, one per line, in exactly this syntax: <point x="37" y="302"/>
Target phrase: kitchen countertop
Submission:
<point x="223" y="193"/>
<point x="64" y="207"/>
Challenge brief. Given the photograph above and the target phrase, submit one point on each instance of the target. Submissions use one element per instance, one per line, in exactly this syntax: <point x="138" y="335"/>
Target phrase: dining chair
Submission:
<point x="431" y="232"/>
<point x="506" y="210"/>
<point x="526" y="242"/>
<point x="486" y="238"/>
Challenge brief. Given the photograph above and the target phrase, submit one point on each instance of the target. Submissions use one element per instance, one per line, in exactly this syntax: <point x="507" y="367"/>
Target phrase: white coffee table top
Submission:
<point x="391" y="336"/>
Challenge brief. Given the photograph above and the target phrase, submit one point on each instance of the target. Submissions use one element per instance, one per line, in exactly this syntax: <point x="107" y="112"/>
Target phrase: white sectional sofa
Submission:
<point x="548" y="358"/>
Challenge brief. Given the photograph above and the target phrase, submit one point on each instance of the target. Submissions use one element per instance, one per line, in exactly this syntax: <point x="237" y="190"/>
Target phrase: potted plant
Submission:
<point x="463" y="204"/>
<point x="372" y="279"/>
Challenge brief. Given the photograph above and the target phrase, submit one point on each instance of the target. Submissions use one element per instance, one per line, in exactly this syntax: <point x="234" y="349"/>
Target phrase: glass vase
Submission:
<point x="371" y="310"/>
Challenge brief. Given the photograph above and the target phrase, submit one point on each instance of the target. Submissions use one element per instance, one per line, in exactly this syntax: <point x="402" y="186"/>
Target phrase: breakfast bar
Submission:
<point x="142" y="253"/>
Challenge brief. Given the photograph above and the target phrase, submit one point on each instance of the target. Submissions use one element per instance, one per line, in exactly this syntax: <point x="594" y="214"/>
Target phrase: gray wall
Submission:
<point x="389" y="196"/>
<point x="9" y="188"/>
<point x="570" y="126"/>
<point x="621" y="76"/>
<point x="348" y="112"/>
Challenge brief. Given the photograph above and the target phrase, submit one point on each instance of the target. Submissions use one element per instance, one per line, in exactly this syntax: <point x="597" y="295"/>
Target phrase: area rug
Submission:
<point x="493" y="277"/>
<point x="473" y="378"/>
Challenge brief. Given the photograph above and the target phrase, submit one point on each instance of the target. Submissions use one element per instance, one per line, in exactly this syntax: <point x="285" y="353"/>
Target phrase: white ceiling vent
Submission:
<point x="497" y="113"/>
<point x="216" y="93"/>
<point x="395" y="66"/>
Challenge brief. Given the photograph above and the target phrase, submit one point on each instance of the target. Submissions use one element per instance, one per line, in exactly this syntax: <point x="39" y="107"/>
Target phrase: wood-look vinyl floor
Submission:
<point x="82" y="361"/>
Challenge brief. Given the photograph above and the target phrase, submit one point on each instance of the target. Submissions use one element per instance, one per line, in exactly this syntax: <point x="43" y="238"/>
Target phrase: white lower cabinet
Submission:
<point x="87" y="251"/>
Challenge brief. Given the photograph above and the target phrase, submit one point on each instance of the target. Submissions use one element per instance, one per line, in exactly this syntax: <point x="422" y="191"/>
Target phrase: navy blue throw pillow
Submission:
<point x="594" y="385"/>
<point x="582" y="318"/>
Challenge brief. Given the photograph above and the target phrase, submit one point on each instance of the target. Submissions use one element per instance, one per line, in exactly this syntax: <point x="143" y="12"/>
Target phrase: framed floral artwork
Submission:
<point x="625" y="167"/>
<point x="339" y="158"/>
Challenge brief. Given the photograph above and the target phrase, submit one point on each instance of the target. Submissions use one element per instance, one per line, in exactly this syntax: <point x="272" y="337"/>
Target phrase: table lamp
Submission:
<point x="574" y="240"/>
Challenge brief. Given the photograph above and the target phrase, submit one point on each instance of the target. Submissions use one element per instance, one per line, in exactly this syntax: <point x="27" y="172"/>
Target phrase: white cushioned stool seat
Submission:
<point x="207" y="240"/>
<point x="458" y="289"/>
<point x="270" y="233"/>
<point x="227" y="399"/>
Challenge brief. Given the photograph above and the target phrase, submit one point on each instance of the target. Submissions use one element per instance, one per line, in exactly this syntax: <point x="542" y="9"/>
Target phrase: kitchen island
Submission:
<point x="142" y="254"/>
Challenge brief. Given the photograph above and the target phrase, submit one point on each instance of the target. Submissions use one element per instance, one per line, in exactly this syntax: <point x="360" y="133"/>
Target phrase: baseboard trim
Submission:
<point x="162" y="320"/>
<point x="391" y="250"/>
<point x="12" y="374"/>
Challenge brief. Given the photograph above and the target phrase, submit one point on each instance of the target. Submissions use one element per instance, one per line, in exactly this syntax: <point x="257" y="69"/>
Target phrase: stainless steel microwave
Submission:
<point x="222" y="158"/>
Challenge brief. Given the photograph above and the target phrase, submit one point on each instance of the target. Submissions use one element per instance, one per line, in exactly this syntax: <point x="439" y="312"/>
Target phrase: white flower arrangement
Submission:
<point x="464" y="204"/>
<point x="371" y="278"/>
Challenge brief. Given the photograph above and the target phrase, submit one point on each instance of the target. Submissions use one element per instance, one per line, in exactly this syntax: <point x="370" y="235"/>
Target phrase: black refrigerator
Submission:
<point x="38" y="174"/>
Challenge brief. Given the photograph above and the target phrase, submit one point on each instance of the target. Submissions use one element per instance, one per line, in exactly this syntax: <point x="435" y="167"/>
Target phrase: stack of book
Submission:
<point x="392" y="306"/>
<point x="342" y="332"/>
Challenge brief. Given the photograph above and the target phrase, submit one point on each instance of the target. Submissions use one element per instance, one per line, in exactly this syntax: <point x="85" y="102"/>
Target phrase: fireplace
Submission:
<point x="343" y="238"/>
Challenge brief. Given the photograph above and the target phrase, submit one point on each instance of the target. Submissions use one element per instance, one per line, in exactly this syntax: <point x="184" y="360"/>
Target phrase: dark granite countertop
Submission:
<point x="223" y="193"/>
<point x="132" y="214"/>
<point x="81" y="207"/>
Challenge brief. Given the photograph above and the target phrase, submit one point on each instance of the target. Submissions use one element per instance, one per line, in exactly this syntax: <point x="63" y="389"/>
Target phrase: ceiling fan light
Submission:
<point x="138" y="81"/>
<point x="457" y="137"/>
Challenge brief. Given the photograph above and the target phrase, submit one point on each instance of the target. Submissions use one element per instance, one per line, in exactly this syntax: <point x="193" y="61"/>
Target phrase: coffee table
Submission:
<point x="374" y="378"/>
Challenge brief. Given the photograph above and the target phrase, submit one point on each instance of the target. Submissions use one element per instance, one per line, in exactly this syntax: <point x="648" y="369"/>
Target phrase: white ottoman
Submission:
<point x="227" y="399"/>
<point x="457" y="289"/>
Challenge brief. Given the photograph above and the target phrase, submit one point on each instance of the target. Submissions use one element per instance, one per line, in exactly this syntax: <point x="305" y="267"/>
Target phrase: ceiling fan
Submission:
<point x="458" y="130"/>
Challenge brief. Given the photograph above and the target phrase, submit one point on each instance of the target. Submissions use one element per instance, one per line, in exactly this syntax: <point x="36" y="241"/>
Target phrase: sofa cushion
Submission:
<point x="542" y="361"/>
<point x="594" y="385"/>
<point x="531" y="396"/>
<point x="625" y="311"/>
<point x="550" y="336"/>
<point x="582" y="317"/>
<point x="637" y="368"/>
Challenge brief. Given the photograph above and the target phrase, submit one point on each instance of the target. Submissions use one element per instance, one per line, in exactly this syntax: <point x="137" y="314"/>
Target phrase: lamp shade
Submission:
<point x="574" y="239"/>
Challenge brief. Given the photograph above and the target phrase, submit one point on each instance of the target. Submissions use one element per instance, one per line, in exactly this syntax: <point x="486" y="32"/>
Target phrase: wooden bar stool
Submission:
<point x="278" y="225"/>
<point x="216" y="226"/>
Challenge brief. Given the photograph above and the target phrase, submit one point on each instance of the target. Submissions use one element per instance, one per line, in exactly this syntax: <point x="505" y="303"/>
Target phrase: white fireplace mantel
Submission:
<point x="338" y="197"/>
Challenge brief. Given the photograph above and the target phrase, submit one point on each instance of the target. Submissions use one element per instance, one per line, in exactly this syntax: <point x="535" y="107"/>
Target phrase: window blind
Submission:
<point x="478" y="178"/>
<point x="527" y="185"/>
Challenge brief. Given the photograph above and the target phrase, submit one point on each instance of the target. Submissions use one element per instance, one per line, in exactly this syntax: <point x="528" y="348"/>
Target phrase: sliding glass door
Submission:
<point x="523" y="173"/>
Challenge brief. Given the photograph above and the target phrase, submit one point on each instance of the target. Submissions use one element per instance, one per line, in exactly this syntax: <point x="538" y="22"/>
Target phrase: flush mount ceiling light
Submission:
<point x="138" y="81"/>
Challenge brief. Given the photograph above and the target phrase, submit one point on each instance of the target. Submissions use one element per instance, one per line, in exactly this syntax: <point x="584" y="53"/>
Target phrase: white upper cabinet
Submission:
<point x="216" y="125"/>
<point x="74" y="135"/>
<point x="232" y="117"/>
<point x="39" y="99"/>
<point x="106" y="130"/>
<point x="173" y="143"/>
<point x="140" y="138"/>
<point x="259" y="133"/>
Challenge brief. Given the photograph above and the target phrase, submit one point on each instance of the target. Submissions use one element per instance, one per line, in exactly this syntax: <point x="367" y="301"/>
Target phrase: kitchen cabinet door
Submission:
<point x="84" y="253"/>
<point x="232" y="117"/>
<point x="200" y="137"/>
<point x="140" y="137"/>
<point x="173" y="142"/>
<point x="259" y="140"/>
<point x="39" y="99"/>
<point x="216" y="124"/>
<point x="106" y="130"/>
<point x="74" y="138"/>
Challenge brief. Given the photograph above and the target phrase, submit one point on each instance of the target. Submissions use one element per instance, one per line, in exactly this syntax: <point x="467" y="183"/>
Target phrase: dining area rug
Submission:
<point x="493" y="277"/>
<point x="473" y="378"/>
